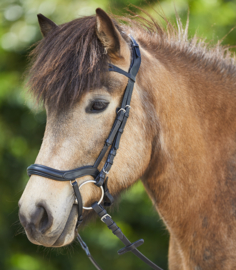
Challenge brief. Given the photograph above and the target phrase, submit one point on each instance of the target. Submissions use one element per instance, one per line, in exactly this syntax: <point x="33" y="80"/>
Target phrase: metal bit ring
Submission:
<point x="92" y="181"/>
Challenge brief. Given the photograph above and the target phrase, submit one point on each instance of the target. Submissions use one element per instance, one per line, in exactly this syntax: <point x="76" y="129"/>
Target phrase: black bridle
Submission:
<point x="100" y="177"/>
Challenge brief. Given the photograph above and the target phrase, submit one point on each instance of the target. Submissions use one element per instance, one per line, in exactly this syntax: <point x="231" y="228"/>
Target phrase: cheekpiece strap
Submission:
<point x="114" y="137"/>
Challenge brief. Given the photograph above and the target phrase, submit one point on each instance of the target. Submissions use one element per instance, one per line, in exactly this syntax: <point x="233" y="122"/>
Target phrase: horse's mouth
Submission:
<point x="69" y="232"/>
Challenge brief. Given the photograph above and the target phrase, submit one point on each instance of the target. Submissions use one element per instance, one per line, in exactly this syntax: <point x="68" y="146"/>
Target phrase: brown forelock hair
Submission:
<point x="67" y="62"/>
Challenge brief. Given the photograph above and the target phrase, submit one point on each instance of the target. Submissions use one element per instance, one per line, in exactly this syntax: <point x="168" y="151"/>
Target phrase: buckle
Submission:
<point x="106" y="215"/>
<point x="106" y="172"/>
<point x="121" y="109"/>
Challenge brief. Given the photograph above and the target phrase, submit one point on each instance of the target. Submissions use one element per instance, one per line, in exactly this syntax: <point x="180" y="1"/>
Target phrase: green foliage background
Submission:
<point x="22" y="127"/>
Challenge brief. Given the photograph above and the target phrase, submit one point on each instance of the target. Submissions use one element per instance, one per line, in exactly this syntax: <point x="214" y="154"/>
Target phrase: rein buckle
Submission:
<point x="106" y="215"/>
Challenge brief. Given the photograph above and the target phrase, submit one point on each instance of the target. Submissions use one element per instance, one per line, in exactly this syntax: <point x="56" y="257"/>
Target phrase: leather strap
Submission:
<point x="79" y="201"/>
<point x="86" y="249"/>
<point x="102" y="213"/>
<point x="59" y="175"/>
<point x="131" y="247"/>
<point x="122" y="116"/>
<point x="108" y="198"/>
<point x="121" y="71"/>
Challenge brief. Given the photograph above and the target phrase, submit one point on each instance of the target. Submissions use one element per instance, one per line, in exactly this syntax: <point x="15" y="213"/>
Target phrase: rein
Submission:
<point x="100" y="177"/>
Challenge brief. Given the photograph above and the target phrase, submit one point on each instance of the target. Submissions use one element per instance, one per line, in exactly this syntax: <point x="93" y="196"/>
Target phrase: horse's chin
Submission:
<point x="66" y="237"/>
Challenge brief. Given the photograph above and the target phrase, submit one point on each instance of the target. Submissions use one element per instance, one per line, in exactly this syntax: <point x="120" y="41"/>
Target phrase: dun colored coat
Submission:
<point x="180" y="138"/>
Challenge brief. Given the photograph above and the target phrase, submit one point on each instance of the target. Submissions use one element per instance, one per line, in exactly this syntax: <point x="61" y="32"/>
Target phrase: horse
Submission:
<point x="180" y="138"/>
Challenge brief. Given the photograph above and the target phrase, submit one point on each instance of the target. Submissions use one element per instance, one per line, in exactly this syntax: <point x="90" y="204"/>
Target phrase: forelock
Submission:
<point x="69" y="61"/>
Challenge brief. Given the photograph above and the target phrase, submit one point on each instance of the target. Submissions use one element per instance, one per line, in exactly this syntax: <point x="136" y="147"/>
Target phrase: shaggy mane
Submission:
<point x="71" y="60"/>
<point x="171" y="42"/>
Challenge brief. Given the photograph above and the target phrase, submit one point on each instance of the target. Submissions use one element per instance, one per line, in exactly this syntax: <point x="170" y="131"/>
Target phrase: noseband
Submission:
<point x="113" y="141"/>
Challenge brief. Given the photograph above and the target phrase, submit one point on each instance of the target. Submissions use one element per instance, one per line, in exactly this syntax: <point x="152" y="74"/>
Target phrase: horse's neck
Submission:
<point x="196" y="140"/>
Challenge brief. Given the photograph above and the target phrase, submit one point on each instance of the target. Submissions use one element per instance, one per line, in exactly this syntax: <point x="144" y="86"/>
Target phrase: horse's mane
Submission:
<point x="71" y="59"/>
<point x="171" y="43"/>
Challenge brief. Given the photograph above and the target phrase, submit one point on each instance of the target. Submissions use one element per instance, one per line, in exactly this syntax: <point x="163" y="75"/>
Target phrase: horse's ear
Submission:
<point x="45" y="24"/>
<point x="110" y="36"/>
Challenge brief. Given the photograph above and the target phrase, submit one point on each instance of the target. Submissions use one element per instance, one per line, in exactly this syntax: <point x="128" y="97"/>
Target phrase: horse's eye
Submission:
<point x="98" y="106"/>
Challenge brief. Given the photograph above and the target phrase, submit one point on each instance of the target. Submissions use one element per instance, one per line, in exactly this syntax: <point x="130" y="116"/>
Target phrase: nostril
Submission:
<point x="44" y="221"/>
<point x="38" y="220"/>
<point x="44" y="218"/>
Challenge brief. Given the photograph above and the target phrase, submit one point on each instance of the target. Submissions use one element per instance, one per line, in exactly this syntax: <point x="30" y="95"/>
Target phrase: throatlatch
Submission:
<point x="100" y="177"/>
